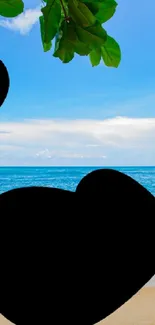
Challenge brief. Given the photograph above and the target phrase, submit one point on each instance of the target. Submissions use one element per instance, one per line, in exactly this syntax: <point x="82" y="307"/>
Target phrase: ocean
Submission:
<point x="65" y="177"/>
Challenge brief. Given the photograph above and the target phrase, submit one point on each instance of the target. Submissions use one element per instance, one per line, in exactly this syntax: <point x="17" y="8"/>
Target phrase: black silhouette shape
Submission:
<point x="4" y="82"/>
<point x="75" y="257"/>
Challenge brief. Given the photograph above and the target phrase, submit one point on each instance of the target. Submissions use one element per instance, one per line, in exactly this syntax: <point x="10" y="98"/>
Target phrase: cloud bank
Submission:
<point x="115" y="141"/>
<point x="22" y="23"/>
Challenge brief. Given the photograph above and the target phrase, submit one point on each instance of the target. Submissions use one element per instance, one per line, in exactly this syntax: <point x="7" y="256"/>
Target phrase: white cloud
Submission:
<point x="22" y="23"/>
<point x="119" y="140"/>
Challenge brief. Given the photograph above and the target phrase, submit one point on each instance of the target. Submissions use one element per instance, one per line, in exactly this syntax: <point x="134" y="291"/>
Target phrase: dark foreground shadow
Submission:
<point x="75" y="257"/>
<point x="4" y="82"/>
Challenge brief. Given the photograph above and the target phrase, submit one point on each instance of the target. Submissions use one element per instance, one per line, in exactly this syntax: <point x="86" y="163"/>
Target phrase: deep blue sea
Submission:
<point x="65" y="177"/>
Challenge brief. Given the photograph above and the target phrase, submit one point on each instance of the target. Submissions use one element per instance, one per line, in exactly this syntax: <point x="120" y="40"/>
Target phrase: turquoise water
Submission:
<point x="65" y="177"/>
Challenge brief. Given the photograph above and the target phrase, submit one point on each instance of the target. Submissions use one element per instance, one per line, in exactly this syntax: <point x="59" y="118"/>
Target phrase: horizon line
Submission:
<point x="79" y="166"/>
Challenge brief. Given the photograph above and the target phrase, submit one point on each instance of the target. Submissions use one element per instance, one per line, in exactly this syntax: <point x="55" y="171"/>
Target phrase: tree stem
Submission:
<point x="64" y="10"/>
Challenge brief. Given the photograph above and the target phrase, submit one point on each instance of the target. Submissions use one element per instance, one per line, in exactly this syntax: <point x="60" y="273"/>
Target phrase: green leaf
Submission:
<point x="67" y="43"/>
<point x="102" y="10"/>
<point x="79" y="47"/>
<point x="58" y="38"/>
<point x="11" y="8"/>
<point x="95" y="57"/>
<point x="80" y="13"/>
<point x="64" y="49"/>
<point x="94" y="36"/>
<point x="46" y="46"/>
<point x="111" y="53"/>
<point x="52" y="16"/>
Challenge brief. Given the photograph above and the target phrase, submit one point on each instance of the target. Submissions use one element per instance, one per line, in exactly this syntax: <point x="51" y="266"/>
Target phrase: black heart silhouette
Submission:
<point x="4" y="82"/>
<point x="61" y="266"/>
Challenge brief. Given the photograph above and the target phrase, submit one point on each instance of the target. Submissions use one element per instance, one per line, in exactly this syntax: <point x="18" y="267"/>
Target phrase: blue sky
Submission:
<point x="73" y="114"/>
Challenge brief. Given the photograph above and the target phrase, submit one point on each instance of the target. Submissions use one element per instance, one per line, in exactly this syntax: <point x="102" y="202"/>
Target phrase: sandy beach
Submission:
<point x="139" y="310"/>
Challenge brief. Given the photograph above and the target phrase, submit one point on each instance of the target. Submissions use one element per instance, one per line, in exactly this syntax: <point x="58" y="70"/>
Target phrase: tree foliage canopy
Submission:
<point x="74" y="26"/>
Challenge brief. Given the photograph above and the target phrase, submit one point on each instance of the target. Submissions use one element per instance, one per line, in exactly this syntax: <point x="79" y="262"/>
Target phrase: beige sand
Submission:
<point x="140" y="310"/>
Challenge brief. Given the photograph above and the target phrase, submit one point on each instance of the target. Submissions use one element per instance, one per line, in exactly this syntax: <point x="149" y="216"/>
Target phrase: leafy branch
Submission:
<point x="76" y="26"/>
